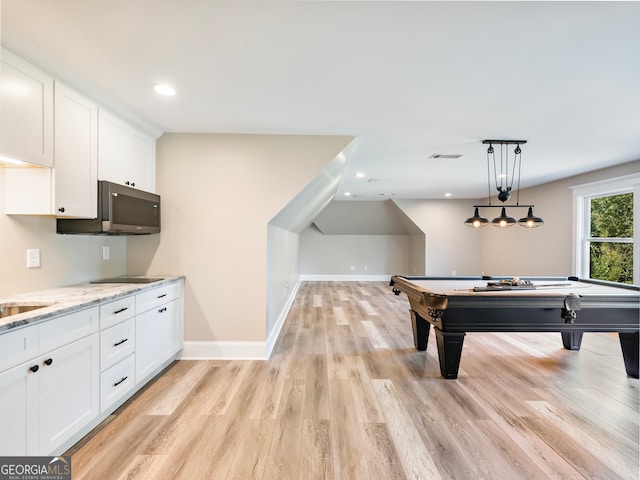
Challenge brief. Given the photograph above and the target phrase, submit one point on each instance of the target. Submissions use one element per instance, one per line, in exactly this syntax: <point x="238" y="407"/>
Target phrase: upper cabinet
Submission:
<point x="70" y="188"/>
<point x="26" y="111"/>
<point x="125" y="155"/>
<point x="47" y="124"/>
<point x="76" y="154"/>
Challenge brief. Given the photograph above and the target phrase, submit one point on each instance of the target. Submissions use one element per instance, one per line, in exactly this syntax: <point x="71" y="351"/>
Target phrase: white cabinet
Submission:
<point x="18" y="387"/>
<point x="117" y="382"/>
<point x="61" y="377"/>
<point x="126" y="155"/>
<point x="117" y="343"/>
<point x="26" y="111"/>
<point x="76" y="154"/>
<point x="117" y="350"/>
<point x="158" y="334"/>
<point x="158" y="328"/>
<point x="50" y="397"/>
<point x="69" y="392"/>
<point x="70" y="188"/>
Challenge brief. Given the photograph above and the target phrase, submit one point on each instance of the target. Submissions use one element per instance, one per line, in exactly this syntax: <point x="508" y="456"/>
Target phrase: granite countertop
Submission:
<point x="65" y="300"/>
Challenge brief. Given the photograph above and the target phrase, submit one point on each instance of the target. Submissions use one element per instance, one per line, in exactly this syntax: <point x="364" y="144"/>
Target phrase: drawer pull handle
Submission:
<point x="48" y="361"/>
<point x="121" y="310"/>
<point x="163" y="309"/>
<point x="120" y="342"/>
<point x="35" y="368"/>
<point x="163" y="295"/>
<point x="120" y="381"/>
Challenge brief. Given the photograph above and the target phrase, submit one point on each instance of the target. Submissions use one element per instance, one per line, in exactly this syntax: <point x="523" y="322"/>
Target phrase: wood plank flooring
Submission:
<point x="346" y="396"/>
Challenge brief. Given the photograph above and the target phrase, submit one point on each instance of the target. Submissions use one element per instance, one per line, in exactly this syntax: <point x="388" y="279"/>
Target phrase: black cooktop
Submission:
<point x="128" y="279"/>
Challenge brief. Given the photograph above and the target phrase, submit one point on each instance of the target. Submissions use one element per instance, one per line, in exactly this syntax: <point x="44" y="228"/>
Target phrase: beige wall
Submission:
<point x="449" y="245"/>
<point x="334" y="255"/>
<point x="547" y="250"/>
<point x="65" y="259"/>
<point x="219" y="192"/>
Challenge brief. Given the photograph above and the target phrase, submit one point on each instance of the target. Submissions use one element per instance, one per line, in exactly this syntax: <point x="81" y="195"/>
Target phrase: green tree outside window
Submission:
<point x="611" y="238"/>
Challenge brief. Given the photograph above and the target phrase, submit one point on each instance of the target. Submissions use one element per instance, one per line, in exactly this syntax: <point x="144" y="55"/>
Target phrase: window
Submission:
<point x="605" y="214"/>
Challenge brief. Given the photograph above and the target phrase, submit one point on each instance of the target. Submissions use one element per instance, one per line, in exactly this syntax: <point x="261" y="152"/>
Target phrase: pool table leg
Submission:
<point x="420" y="331"/>
<point x="629" y="343"/>
<point x="449" y="352"/>
<point x="572" y="340"/>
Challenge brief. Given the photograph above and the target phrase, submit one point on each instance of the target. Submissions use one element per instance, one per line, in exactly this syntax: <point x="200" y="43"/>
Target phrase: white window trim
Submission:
<point x="581" y="195"/>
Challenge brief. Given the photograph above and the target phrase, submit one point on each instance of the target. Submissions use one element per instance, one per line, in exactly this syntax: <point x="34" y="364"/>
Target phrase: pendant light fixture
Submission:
<point x="504" y="175"/>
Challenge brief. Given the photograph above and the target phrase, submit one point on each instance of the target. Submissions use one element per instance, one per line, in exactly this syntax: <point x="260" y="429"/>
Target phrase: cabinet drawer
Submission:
<point x="152" y="298"/>
<point x="116" y="382"/>
<point x="117" y="343"/>
<point x="117" y="311"/>
<point x="67" y="328"/>
<point x="18" y="346"/>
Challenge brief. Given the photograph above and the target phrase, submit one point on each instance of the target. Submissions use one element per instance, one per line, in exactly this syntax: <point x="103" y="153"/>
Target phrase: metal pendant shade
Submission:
<point x="476" y="221"/>
<point x="504" y="220"/>
<point x="530" y="221"/>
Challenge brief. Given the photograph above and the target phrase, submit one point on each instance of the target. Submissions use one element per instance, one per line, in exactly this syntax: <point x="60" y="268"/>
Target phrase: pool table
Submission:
<point x="569" y="305"/>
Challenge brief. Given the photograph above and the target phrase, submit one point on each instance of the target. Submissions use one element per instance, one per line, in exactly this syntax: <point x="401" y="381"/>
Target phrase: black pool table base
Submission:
<point x="450" y="346"/>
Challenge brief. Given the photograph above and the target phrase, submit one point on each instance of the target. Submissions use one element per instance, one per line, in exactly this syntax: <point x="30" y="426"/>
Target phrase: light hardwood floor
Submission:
<point x="346" y="396"/>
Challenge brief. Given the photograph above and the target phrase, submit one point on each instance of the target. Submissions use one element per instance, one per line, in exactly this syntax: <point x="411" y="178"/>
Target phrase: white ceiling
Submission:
<point x="407" y="79"/>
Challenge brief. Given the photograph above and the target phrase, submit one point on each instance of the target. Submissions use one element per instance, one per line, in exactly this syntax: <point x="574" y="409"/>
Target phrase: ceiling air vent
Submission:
<point x="445" y="155"/>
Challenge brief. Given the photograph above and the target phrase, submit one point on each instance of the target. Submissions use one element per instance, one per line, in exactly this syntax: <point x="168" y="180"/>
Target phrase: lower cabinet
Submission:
<point x="68" y="397"/>
<point x="62" y="377"/>
<point x="158" y="337"/>
<point x="47" y="400"/>
<point x="116" y="382"/>
<point x="18" y="389"/>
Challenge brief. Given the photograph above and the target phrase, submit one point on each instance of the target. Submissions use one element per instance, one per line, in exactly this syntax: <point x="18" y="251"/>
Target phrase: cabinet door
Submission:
<point x="125" y="155"/>
<point x="76" y="155"/>
<point x="26" y="111"/>
<point x="17" y="387"/>
<point x="69" y="381"/>
<point x="114" y="145"/>
<point x="143" y="151"/>
<point x="158" y="338"/>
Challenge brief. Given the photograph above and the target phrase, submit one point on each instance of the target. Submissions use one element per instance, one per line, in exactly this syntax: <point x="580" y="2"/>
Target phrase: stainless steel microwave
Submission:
<point x="121" y="211"/>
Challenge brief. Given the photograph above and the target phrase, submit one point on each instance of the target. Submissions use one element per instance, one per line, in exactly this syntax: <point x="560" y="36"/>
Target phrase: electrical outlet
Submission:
<point x="106" y="253"/>
<point x="353" y="267"/>
<point x="33" y="258"/>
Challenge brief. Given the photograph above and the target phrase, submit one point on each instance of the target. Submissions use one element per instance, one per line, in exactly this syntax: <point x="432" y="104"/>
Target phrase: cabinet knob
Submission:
<point x="35" y="368"/>
<point x="48" y="361"/>
<point x="127" y="182"/>
<point x="61" y="209"/>
<point x="133" y="184"/>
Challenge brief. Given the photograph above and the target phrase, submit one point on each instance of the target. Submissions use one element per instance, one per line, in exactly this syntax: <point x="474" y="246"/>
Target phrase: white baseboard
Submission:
<point x="240" y="350"/>
<point x="345" y="278"/>
<point x="272" y="336"/>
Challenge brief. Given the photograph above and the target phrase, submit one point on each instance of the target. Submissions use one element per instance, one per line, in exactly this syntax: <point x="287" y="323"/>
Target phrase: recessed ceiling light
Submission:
<point x="347" y="194"/>
<point x="448" y="194"/>
<point x="360" y="175"/>
<point x="163" y="89"/>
